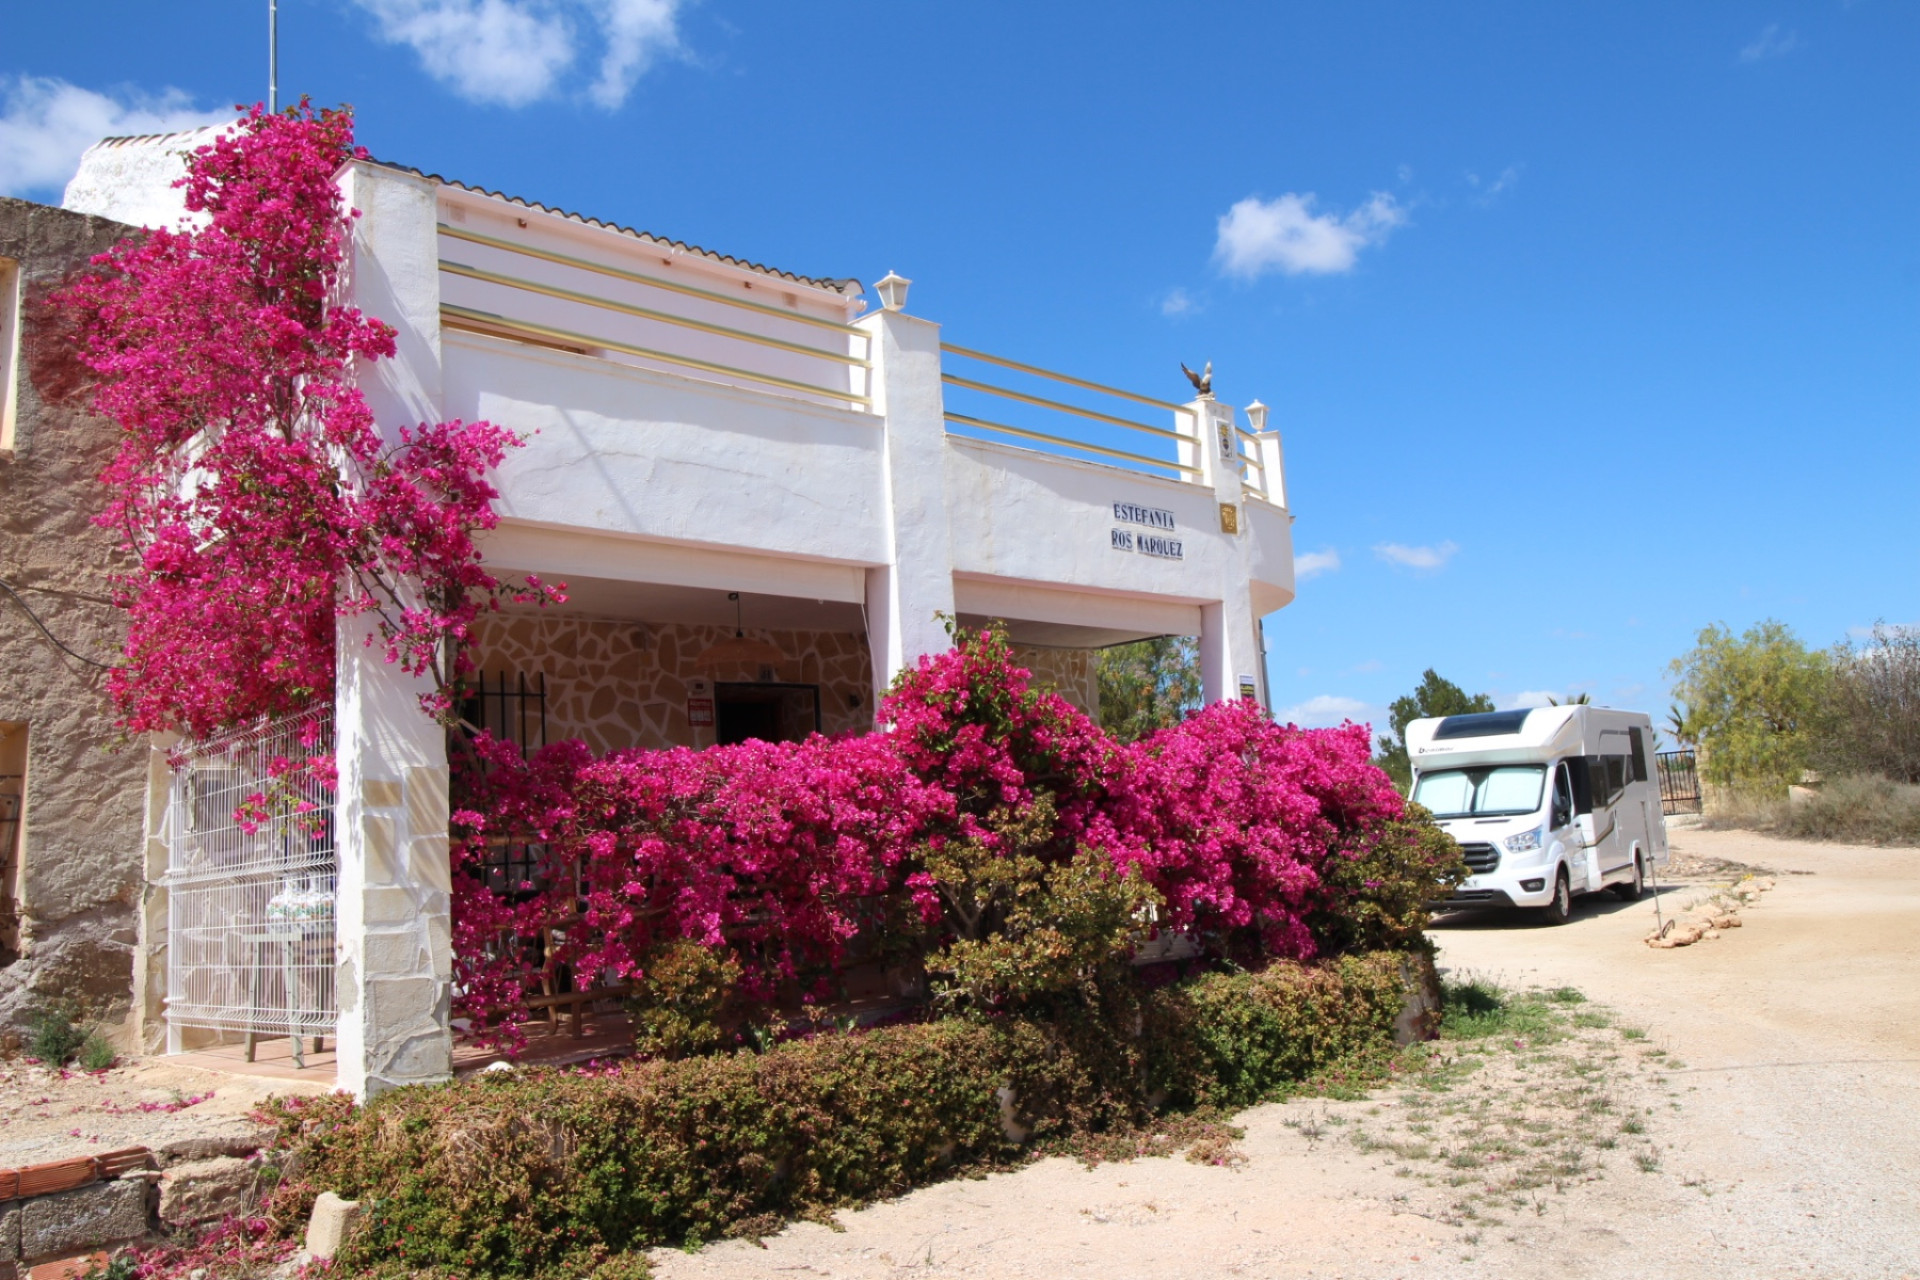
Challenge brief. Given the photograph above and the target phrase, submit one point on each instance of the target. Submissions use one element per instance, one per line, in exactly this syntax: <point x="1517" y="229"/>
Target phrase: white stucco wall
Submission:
<point x="131" y="179"/>
<point x="614" y="449"/>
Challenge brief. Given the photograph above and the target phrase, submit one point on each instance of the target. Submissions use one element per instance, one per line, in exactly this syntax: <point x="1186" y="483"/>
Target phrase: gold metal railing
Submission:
<point x="1189" y="437"/>
<point x="473" y="320"/>
<point x="1250" y="455"/>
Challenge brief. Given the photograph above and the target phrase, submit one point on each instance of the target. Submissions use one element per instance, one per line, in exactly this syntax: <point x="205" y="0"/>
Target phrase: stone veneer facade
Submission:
<point x="74" y="895"/>
<point x="618" y="684"/>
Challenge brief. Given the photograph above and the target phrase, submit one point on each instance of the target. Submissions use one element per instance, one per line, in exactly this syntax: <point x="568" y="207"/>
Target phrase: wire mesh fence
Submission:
<point x="251" y="879"/>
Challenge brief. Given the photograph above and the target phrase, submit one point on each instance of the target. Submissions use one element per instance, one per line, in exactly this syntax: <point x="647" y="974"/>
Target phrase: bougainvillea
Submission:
<point x="1232" y="818"/>
<point x="783" y="859"/>
<point x="256" y="495"/>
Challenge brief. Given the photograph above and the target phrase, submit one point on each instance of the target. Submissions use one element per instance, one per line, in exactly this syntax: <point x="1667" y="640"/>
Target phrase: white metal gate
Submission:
<point x="251" y="875"/>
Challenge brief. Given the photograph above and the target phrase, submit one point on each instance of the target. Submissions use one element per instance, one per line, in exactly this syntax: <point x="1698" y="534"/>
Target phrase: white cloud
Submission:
<point x="1327" y="709"/>
<point x="1486" y="191"/>
<point x="1177" y="303"/>
<point x="1770" y="43"/>
<point x="1427" y="558"/>
<point x="637" y="31"/>
<point x="513" y="52"/>
<point x="1257" y="236"/>
<point x="1533" y="698"/>
<point x="1314" y="563"/>
<point x="47" y="123"/>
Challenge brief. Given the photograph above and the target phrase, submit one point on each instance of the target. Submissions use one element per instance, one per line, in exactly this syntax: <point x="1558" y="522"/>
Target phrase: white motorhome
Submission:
<point x="1547" y="803"/>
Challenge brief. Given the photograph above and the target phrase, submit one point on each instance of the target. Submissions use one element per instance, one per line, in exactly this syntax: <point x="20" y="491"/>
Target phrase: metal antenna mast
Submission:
<point x="273" y="55"/>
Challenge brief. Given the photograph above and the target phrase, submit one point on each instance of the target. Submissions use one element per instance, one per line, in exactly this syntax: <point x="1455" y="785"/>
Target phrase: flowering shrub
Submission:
<point x="1236" y="819"/>
<point x="995" y="836"/>
<point x="252" y="488"/>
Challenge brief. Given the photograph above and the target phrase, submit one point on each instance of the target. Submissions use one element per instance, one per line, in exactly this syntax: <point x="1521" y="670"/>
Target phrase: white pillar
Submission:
<point x="1230" y="654"/>
<point x="906" y="596"/>
<point x="393" y="970"/>
<point x="393" y="930"/>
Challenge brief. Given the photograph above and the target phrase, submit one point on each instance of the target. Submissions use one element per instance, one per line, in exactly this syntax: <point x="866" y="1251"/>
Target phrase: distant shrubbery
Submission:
<point x="1764" y="710"/>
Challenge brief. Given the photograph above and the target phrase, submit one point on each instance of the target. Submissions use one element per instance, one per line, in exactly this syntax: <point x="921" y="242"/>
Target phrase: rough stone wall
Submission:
<point x="616" y="684"/>
<point x="80" y="881"/>
<point x="1072" y="673"/>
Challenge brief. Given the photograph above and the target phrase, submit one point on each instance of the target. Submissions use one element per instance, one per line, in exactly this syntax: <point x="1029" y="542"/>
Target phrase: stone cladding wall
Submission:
<point x="79" y="885"/>
<point x="1072" y="673"/>
<point x="616" y="684"/>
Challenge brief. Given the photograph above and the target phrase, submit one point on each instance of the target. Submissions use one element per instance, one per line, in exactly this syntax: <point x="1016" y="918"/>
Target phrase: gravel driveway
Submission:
<point x="1780" y="1077"/>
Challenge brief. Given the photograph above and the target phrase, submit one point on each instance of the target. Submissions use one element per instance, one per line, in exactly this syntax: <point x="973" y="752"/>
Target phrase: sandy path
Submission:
<point x="1788" y="1141"/>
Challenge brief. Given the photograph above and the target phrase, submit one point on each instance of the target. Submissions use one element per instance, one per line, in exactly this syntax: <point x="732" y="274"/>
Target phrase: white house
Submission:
<point x="717" y="446"/>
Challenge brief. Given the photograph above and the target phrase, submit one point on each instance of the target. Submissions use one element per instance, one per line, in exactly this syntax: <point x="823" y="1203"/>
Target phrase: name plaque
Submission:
<point x="1152" y="517"/>
<point x="1146" y="544"/>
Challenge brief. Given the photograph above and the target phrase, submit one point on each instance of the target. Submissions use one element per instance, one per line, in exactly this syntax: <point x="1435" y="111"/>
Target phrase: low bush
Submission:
<point x="1850" y="810"/>
<point x="540" y="1172"/>
<point x="1857" y="811"/>
<point x="53" y="1036"/>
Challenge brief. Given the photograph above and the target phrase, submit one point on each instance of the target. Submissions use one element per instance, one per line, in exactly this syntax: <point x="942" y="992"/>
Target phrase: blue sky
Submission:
<point x="1586" y="326"/>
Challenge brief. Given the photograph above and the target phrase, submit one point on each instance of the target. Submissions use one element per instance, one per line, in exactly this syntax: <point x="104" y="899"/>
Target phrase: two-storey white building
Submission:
<point x="763" y="498"/>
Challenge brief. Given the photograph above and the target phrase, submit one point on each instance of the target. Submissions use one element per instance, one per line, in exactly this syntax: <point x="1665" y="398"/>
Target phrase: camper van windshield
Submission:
<point x="1502" y="790"/>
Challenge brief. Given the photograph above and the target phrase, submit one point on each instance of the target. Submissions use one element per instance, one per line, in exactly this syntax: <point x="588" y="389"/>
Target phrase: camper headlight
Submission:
<point x="1523" y="842"/>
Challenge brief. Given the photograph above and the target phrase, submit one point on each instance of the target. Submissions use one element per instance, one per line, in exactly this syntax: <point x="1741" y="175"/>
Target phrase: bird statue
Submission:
<point x="1202" y="381"/>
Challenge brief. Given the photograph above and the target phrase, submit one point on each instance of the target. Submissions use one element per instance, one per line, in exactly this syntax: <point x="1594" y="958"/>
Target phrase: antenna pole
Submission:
<point x="273" y="55"/>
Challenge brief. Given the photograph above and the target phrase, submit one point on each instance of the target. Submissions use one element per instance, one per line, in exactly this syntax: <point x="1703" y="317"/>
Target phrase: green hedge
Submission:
<point x="533" y="1171"/>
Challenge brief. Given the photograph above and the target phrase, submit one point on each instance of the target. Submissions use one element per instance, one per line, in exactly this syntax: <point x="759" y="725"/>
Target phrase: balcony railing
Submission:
<point x="572" y="317"/>
<point x="1177" y="445"/>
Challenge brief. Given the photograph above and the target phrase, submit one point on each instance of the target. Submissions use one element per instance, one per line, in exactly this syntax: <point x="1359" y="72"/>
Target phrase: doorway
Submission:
<point x="769" y="712"/>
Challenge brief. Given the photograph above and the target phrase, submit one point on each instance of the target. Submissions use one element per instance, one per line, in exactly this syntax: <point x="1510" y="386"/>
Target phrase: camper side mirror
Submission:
<point x="1562" y="813"/>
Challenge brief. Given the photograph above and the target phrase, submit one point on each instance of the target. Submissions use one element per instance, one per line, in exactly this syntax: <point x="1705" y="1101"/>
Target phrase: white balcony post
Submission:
<point x="1230" y="655"/>
<point x="906" y="596"/>
<point x="1274" y="466"/>
<point x="393" y="971"/>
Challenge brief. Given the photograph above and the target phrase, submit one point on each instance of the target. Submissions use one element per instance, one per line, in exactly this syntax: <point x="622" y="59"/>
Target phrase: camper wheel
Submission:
<point x="1560" y="909"/>
<point x="1632" y="889"/>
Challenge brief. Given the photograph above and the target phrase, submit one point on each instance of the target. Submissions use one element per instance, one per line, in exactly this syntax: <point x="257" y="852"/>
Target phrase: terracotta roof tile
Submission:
<point x="849" y="286"/>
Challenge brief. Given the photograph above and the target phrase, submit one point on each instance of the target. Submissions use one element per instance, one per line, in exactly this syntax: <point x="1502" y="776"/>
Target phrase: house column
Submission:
<point x="393" y="933"/>
<point x="906" y="596"/>
<point x="393" y="969"/>
<point x="1230" y="653"/>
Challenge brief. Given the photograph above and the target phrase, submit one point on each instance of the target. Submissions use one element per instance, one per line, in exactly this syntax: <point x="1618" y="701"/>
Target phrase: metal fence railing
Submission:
<point x="1175" y="446"/>
<point x="251" y="880"/>
<point x="1679" y="782"/>
<point x="529" y="293"/>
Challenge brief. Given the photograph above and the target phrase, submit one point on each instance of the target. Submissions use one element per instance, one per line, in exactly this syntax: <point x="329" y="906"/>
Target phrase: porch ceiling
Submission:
<point x="695" y="606"/>
<point x="1058" y="635"/>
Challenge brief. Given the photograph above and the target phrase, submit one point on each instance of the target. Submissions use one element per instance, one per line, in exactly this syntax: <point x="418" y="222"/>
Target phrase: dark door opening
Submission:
<point x="769" y="712"/>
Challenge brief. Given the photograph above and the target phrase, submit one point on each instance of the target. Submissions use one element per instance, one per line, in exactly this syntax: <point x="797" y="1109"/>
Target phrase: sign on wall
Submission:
<point x="1248" y="688"/>
<point x="1146" y="544"/>
<point x="700" y="703"/>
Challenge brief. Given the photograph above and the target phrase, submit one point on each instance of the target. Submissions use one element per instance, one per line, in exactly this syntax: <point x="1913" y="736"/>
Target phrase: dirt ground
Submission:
<point x="50" y="1114"/>
<point x="1746" y="1106"/>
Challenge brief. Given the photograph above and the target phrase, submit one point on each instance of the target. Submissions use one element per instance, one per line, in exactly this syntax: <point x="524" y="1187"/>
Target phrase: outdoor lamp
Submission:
<point x="738" y="651"/>
<point x="893" y="292"/>
<point x="1257" y="417"/>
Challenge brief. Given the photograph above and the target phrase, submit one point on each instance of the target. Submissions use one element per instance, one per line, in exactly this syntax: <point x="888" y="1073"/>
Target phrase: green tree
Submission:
<point x="1753" y="703"/>
<point x="1148" y="685"/>
<point x="1436" y="696"/>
